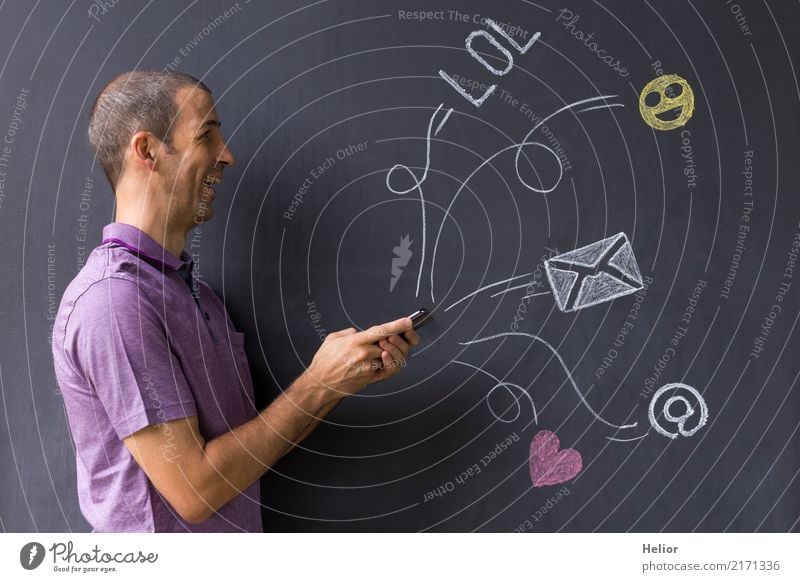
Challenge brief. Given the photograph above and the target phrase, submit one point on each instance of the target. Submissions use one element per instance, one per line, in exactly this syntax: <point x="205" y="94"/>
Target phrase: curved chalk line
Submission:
<point x="679" y="420"/>
<point x="487" y="286"/>
<point x="418" y="183"/>
<point x="628" y="440"/>
<point x="518" y="147"/>
<point x="563" y="365"/>
<point x="505" y="385"/>
<point x="521" y="287"/>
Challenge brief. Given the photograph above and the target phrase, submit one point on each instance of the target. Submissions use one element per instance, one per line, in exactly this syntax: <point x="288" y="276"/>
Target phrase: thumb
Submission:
<point x="377" y="332"/>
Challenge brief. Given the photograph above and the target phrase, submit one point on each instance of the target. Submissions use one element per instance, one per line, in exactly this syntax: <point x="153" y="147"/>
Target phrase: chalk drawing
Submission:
<point x="510" y="60"/>
<point x="596" y="273"/>
<point x="507" y="386"/>
<point x="441" y="123"/>
<point x="687" y="411"/>
<point x="667" y="102"/>
<point x="627" y="440"/>
<point x="563" y="365"/>
<point x="522" y="50"/>
<point x="476" y="102"/>
<point x="518" y="147"/>
<point x="499" y="72"/>
<point x="549" y="465"/>
<point x="520" y="287"/>
<point x="418" y="183"/>
<point x="402" y="254"/>
<point x="543" y="121"/>
<point x="487" y="287"/>
<point x="609" y="106"/>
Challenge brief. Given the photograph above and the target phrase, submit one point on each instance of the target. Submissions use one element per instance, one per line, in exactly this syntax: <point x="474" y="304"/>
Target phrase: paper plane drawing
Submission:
<point x="596" y="273"/>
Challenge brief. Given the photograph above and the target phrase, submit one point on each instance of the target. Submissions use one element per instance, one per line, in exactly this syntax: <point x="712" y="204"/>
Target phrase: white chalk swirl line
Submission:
<point x="418" y="183"/>
<point x="506" y="386"/>
<point x="518" y="147"/>
<point x="487" y="286"/>
<point x="563" y="365"/>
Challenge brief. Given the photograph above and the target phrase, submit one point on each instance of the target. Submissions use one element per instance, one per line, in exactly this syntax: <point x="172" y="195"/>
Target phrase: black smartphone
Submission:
<point x="420" y="317"/>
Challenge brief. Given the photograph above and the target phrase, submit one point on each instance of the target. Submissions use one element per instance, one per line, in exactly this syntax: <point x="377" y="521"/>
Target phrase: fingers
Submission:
<point x="378" y="352"/>
<point x="412" y="337"/>
<point x="376" y="332"/>
<point x="397" y="356"/>
<point x="370" y="352"/>
<point x="398" y="341"/>
<point x="358" y="354"/>
<point x="342" y="332"/>
<point x="388" y="367"/>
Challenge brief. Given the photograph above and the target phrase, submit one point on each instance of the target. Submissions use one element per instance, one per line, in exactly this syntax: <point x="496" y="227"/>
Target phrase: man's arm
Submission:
<point x="394" y="340"/>
<point x="314" y="422"/>
<point x="198" y="477"/>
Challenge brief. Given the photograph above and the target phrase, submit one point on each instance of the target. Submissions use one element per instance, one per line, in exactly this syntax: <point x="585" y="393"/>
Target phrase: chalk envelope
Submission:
<point x="593" y="274"/>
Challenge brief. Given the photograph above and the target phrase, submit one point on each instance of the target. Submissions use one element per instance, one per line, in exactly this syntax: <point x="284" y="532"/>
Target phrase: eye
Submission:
<point x="206" y="135"/>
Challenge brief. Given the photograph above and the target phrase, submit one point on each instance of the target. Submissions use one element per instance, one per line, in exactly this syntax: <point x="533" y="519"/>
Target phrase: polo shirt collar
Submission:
<point x="142" y="244"/>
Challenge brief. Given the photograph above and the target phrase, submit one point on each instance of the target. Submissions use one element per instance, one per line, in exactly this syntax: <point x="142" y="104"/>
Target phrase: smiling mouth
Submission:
<point x="208" y="184"/>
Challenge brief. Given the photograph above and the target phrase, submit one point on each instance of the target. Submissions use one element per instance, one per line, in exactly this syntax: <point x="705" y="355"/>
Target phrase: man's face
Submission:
<point x="197" y="160"/>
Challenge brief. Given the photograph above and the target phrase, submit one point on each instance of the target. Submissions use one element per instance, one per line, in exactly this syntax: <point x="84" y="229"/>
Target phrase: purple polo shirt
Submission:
<point x="134" y="346"/>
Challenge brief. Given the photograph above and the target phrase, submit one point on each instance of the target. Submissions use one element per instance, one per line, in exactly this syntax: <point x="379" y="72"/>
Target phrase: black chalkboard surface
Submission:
<point x="596" y="201"/>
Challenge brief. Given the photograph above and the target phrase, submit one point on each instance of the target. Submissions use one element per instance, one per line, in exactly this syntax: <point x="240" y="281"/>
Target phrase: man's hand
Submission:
<point x="348" y="360"/>
<point x="199" y="477"/>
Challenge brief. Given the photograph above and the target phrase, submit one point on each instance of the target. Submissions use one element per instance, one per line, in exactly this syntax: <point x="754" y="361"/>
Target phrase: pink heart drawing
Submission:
<point x="548" y="465"/>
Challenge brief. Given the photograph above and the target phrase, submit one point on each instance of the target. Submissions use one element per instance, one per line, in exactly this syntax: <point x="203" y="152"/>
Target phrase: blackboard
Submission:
<point x="378" y="172"/>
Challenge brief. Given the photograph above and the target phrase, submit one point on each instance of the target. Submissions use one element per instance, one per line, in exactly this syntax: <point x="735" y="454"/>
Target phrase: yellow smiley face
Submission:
<point x="667" y="102"/>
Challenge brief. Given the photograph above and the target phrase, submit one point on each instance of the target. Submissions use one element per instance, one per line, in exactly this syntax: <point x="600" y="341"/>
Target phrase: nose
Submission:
<point x="226" y="156"/>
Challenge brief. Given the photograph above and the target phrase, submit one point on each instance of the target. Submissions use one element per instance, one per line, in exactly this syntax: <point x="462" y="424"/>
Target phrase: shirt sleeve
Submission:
<point x="126" y="357"/>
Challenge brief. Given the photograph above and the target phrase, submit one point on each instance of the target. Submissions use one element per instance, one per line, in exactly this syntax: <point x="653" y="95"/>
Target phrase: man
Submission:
<point x="154" y="376"/>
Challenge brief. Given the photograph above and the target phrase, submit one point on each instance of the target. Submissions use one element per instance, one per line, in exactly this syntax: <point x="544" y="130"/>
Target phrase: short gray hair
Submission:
<point x="134" y="101"/>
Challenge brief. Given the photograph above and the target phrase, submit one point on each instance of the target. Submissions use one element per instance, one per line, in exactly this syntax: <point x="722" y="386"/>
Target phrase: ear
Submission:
<point x="143" y="147"/>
